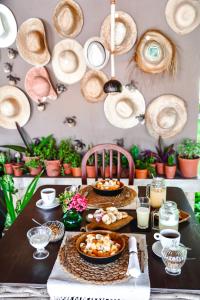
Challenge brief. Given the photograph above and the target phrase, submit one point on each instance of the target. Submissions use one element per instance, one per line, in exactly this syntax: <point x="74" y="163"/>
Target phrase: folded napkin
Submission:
<point x="133" y="266"/>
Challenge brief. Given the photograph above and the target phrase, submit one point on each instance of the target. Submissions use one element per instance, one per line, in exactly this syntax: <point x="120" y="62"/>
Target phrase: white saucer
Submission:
<point x="157" y="248"/>
<point x="41" y="205"/>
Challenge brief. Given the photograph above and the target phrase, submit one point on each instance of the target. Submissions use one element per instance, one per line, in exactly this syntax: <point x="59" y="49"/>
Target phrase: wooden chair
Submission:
<point x="101" y="149"/>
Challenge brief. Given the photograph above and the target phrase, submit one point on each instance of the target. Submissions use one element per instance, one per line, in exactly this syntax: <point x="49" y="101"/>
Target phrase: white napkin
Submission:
<point x="133" y="265"/>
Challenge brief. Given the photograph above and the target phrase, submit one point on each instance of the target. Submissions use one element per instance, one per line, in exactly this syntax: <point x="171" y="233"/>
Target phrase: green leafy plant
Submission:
<point x="171" y="160"/>
<point x="64" y="150"/>
<point x="34" y="163"/>
<point x="189" y="149"/>
<point x="135" y="151"/>
<point x="46" y="148"/>
<point x="140" y="164"/>
<point x="75" y="159"/>
<point x="164" y="151"/>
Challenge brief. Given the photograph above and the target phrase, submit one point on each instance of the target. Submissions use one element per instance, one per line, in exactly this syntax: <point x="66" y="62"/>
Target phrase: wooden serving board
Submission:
<point x="112" y="227"/>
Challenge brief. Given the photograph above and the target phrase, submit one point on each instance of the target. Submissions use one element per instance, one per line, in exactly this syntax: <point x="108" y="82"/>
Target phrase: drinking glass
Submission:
<point x="156" y="191"/>
<point x="174" y="258"/>
<point x="39" y="238"/>
<point x="143" y="211"/>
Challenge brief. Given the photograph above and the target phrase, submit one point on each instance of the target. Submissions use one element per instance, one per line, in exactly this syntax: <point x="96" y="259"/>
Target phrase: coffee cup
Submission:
<point x="168" y="237"/>
<point x="48" y="196"/>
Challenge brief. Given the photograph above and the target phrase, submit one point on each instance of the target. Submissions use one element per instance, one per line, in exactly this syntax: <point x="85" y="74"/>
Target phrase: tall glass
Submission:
<point x="156" y="191"/>
<point x="143" y="212"/>
<point x="39" y="238"/>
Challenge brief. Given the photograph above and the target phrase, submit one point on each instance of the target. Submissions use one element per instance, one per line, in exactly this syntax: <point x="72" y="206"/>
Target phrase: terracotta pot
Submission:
<point x="35" y="171"/>
<point x="107" y="171"/>
<point x="53" y="168"/>
<point x="67" y="169"/>
<point x="76" y="172"/>
<point x="17" y="168"/>
<point x="8" y="168"/>
<point x="141" y="174"/>
<point x="125" y="173"/>
<point x="170" y="171"/>
<point x="160" y="168"/>
<point x="91" y="172"/>
<point x="188" y="167"/>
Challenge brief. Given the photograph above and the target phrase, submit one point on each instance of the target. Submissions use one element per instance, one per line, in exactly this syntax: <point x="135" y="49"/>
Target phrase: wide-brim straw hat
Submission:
<point x="8" y="27"/>
<point x="125" y="32"/>
<point x="68" y="61"/>
<point x="31" y="42"/>
<point x="123" y="109"/>
<point x="166" y="116"/>
<point x="183" y="16"/>
<point x="14" y="107"/>
<point x="68" y="18"/>
<point x="92" y="85"/>
<point x="96" y="55"/>
<point x="38" y="85"/>
<point x="155" y="53"/>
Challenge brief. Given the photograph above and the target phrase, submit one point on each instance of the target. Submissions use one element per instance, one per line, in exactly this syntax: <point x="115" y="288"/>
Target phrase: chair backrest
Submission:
<point x="101" y="150"/>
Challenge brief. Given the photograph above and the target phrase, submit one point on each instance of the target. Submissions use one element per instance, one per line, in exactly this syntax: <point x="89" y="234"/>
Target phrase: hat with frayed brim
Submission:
<point x="155" y="53"/>
<point x="8" y="27"/>
<point x="125" y="32"/>
<point x="14" y="107"/>
<point x="31" y="42"/>
<point x="166" y="116"/>
<point x="38" y="85"/>
<point x="68" y="18"/>
<point x="183" y="16"/>
<point x="123" y="109"/>
<point x="92" y="85"/>
<point x="68" y="61"/>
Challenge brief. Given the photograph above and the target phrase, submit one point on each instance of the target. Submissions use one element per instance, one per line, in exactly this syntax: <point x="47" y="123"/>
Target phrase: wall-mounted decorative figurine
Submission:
<point x="13" y="80"/>
<point x="183" y="16"/>
<point x="41" y="106"/>
<point x="12" y="53"/>
<point x="166" y="116"/>
<point x="68" y="18"/>
<point x="92" y="85"/>
<point x="125" y="32"/>
<point x="38" y="85"/>
<point x="8" y="27"/>
<point x="79" y="145"/>
<point x="31" y="42"/>
<point x="96" y="55"/>
<point x="156" y="53"/>
<point x="14" y="107"/>
<point x="68" y="61"/>
<point x="60" y="88"/>
<point x="7" y="68"/>
<point x="70" y="121"/>
<point x="120" y="142"/>
<point x="122" y="109"/>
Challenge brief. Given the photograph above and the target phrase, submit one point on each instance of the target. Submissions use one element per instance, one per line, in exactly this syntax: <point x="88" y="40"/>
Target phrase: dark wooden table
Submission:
<point x="18" y="266"/>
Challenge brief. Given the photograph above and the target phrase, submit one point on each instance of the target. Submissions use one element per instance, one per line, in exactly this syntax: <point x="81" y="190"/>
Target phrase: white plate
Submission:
<point x="157" y="248"/>
<point x="41" y="205"/>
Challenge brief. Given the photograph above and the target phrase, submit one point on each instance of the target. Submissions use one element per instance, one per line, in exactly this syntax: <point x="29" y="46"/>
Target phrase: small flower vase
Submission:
<point x="72" y="219"/>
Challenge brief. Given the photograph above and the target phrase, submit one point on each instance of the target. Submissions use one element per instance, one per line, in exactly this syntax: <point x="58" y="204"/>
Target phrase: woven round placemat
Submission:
<point x="93" y="273"/>
<point x="126" y="197"/>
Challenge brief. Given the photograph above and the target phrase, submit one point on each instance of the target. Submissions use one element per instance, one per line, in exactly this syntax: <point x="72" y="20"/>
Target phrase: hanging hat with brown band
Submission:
<point x="155" y="53"/>
<point x="31" y="42"/>
<point x="166" y="116"/>
<point x="14" y="107"/>
<point x="68" y="18"/>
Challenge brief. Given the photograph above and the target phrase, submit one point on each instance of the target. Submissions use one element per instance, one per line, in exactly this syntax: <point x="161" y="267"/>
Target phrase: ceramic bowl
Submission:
<point x="106" y="192"/>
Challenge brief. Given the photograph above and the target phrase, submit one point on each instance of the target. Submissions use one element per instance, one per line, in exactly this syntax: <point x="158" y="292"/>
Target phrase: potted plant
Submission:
<point x="76" y="164"/>
<point x="188" y="157"/>
<point x="141" y="171"/>
<point x="18" y="165"/>
<point x="65" y="150"/>
<point x="107" y="164"/>
<point x="8" y="169"/>
<point x="90" y="167"/>
<point x="163" y="153"/>
<point x="34" y="165"/>
<point x="125" y="165"/>
<point x="170" y="166"/>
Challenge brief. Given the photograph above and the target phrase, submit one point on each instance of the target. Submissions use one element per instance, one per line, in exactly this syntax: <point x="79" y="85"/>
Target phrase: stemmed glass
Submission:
<point x="39" y="238"/>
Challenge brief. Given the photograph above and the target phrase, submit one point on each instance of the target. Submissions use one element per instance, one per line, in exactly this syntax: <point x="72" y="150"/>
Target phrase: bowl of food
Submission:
<point x="108" y="187"/>
<point x="57" y="230"/>
<point x="100" y="247"/>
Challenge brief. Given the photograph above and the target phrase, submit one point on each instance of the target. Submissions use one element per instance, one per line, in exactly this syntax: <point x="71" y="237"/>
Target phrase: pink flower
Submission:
<point x="78" y="202"/>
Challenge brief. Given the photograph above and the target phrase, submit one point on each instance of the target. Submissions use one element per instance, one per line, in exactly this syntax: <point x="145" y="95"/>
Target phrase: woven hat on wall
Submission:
<point x="8" y="27"/>
<point x="125" y="32"/>
<point x="166" y="116"/>
<point x="68" y="61"/>
<point x="68" y="18"/>
<point x="155" y="53"/>
<point x="183" y="16"/>
<point x="14" y="107"/>
<point x="96" y="55"/>
<point x="92" y="85"/>
<point x="31" y="42"/>
<point x="123" y="109"/>
<point x="38" y="85"/>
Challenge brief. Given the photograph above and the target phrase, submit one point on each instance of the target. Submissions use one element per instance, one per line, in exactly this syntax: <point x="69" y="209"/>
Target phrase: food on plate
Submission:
<point x="99" y="245"/>
<point x="109" y="215"/>
<point x="108" y="184"/>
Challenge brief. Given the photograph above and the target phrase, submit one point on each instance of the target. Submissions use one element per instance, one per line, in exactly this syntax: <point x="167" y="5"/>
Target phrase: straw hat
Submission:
<point x="96" y="55"/>
<point x="68" y="61"/>
<point x="92" y="85"/>
<point x="38" y="85"/>
<point x="8" y="27"/>
<point x="155" y="53"/>
<point x="125" y="32"/>
<point x="31" y="42"/>
<point x="183" y="16"/>
<point x="166" y="116"/>
<point x="68" y="18"/>
<point x="122" y="109"/>
<point x="14" y="107"/>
